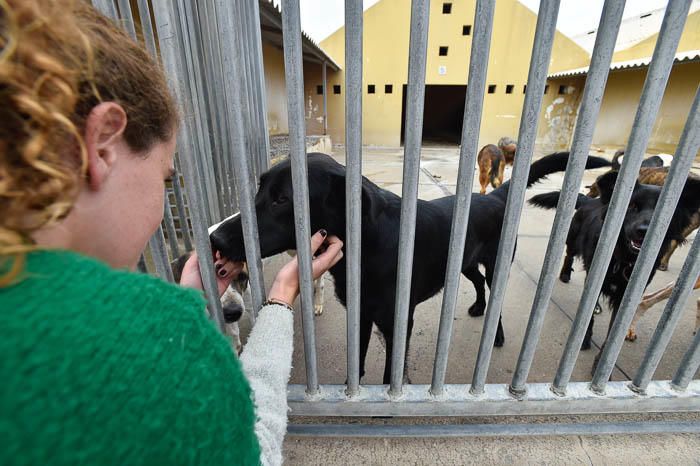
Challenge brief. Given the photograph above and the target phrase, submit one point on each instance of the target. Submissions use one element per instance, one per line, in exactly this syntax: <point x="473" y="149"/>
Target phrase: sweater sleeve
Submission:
<point x="267" y="364"/>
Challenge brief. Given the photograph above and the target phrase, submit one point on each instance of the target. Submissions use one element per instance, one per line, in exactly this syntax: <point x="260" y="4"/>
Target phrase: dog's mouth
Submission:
<point x="636" y="245"/>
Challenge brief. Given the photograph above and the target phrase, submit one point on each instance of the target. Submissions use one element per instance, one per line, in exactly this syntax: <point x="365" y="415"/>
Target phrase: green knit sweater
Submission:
<point x="99" y="366"/>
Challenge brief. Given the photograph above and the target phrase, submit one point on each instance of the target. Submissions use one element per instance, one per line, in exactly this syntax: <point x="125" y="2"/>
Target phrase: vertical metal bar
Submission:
<point x="245" y="185"/>
<point x="688" y="366"/>
<point x="294" y="74"/>
<point x="127" y="18"/>
<point x="353" y="182"/>
<point x="325" y="96"/>
<point x="665" y="208"/>
<point x="180" y="205"/>
<point x="149" y="36"/>
<point x="190" y="57"/>
<point x="159" y="254"/>
<point x="251" y="82"/>
<point x="420" y="12"/>
<point x="211" y="62"/>
<point x="667" y="323"/>
<point x="166" y="23"/>
<point x="478" y="66"/>
<point x="170" y="228"/>
<point x="609" y="26"/>
<point x="107" y="8"/>
<point x="260" y="87"/>
<point x="654" y="86"/>
<point x="539" y="62"/>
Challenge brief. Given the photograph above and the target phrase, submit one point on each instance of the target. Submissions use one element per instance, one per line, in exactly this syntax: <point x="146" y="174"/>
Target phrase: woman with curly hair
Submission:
<point x="101" y="364"/>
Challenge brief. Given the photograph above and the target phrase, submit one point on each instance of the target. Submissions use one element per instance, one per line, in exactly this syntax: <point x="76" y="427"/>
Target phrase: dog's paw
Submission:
<point x="477" y="309"/>
<point x="586" y="345"/>
<point x="631" y="335"/>
<point x="565" y="277"/>
<point x="663" y="267"/>
<point x="318" y="309"/>
<point x="499" y="341"/>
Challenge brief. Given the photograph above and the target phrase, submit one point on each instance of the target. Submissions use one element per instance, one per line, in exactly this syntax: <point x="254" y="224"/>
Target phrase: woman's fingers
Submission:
<point x="329" y="257"/>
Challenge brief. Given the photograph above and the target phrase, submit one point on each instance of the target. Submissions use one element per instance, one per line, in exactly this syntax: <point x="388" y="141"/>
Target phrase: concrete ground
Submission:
<point x="438" y="178"/>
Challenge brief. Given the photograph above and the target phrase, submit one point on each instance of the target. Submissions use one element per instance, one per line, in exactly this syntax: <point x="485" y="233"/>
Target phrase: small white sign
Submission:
<point x="442" y="70"/>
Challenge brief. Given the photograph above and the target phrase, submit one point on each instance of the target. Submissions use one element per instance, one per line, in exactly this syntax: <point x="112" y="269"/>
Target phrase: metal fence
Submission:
<point x="212" y="53"/>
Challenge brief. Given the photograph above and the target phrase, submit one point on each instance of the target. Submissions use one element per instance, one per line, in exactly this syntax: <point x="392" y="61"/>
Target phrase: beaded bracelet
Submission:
<point x="278" y="303"/>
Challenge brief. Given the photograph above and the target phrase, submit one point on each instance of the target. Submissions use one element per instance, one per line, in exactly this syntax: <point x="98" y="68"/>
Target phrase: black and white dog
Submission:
<point x="380" y="237"/>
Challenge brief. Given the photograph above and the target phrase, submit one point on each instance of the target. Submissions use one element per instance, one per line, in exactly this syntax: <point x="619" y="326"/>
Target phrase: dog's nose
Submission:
<point x="641" y="230"/>
<point x="232" y="312"/>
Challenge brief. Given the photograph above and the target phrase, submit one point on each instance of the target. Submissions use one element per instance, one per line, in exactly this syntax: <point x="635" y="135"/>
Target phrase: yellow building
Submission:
<point x="622" y="93"/>
<point x="385" y="70"/>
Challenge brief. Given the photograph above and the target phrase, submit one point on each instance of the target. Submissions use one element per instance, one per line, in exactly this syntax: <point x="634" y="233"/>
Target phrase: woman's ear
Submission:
<point x="104" y="130"/>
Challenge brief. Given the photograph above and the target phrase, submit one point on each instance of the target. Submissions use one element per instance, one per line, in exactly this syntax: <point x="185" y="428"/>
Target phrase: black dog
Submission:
<point x="380" y="237"/>
<point x="588" y="221"/>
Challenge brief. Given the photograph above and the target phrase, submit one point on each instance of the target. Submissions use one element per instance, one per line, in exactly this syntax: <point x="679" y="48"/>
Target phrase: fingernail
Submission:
<point x="323" y="232"/>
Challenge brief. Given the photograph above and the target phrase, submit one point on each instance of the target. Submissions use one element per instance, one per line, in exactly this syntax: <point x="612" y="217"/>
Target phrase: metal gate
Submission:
<point x="212" y="53"/>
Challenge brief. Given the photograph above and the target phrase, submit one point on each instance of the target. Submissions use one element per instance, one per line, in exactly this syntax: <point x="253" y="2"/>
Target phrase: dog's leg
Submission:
<point x="586" y="343"/>
<point x="474" y="275"/>
<point x="234" y="332"/>
<point x="566" y="268"/>
<point x="365" y="334"/>
<point x="647" y="302"/>
<point x="484" y="176"/>
<point x="697" y="317"/>
<point x="318" y="294"/>
<point x="663" y="263"/>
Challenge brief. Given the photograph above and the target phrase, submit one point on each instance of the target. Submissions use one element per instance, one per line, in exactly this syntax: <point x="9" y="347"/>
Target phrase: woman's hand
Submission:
<point x="226" y="271"/>
<point x="285" y="288"/>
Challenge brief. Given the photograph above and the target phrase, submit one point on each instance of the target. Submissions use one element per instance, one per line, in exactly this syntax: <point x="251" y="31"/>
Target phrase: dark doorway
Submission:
<point x="442" y="115"/>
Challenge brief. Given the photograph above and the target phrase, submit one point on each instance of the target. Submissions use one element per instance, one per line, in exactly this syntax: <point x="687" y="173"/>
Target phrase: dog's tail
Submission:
<point x="547" y="165"/>
<point x="551" y="200"/>
<point x="493" y="174"/>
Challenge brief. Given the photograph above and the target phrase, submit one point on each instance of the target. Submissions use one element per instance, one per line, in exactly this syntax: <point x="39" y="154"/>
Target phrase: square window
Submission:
<point x="524" y="88"/>
<point x="563" y="89"/>
<point x="446" y="8"/>
<point x="443" y="51"/>
<point x="370" y="89"/>
<point x="546" y="88"/>
<point x="509" y="88"/>
<point x="388" y="88"/>
<point x="466" y="30"/>
<point x="492" y="88"/>
<point x="319" y="90"/>
<point x="336" y="88"/>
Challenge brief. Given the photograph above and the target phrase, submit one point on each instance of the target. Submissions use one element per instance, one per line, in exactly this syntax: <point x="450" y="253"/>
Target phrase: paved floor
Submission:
<point x="438" y="178"/>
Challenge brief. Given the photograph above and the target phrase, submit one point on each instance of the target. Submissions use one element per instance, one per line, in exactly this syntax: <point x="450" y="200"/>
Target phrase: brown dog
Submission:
<point x="657" y="176"/>
<point x="492" y="162"/>
<point x="508" y="146"/>
<point x="656" y="297"/>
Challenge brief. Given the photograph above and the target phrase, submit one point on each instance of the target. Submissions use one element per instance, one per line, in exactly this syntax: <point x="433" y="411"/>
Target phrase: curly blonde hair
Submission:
<point x="58" y="59"/>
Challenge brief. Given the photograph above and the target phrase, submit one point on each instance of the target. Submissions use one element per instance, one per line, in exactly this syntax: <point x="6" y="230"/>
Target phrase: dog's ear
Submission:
<point x="606" y="185"/>
<point x="373" y="201"/>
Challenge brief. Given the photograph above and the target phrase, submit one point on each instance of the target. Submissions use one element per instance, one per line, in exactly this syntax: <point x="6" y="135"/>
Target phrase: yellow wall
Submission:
<point x="559" y="113"/>
<point x="275" y="86"/>
<point x="620" y="105"/>
<point x="618" y="109"/>
<point x="275" y="89"/>
<point x="690" y="40"/>
<point x="385" y="61"/>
